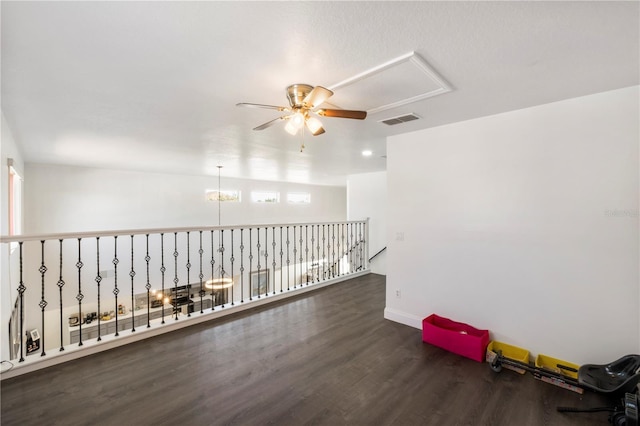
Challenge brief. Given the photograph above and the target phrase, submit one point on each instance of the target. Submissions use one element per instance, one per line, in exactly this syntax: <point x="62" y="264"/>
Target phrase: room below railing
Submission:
<point x="100" y="290"/>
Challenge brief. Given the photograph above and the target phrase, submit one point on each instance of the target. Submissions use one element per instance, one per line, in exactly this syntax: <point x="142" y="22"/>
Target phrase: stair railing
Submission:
<point x="74" y="289"/>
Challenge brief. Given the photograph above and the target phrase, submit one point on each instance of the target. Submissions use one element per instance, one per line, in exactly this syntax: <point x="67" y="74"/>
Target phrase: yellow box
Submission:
<point x="508" y="351"/>
<point x="559" y="366"/>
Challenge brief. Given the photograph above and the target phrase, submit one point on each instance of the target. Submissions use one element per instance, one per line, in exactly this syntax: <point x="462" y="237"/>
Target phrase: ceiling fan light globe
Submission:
<point x="297" y="120"/>
<point x="314" y="125"/>
<point x="291" y="128"/>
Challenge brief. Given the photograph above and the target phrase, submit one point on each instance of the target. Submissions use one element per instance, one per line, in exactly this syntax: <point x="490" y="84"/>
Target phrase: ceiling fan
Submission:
<point x="304" y="103"/>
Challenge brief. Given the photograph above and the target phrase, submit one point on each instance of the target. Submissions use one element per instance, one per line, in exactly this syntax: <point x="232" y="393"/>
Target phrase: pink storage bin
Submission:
<point x="456" y="337"/>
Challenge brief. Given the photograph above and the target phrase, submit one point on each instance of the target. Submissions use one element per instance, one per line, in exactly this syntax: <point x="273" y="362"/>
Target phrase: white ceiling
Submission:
<point x="152" y="86"/>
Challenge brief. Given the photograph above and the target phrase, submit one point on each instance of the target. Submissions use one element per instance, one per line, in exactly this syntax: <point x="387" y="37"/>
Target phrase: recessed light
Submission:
<point x="367" y="153"/>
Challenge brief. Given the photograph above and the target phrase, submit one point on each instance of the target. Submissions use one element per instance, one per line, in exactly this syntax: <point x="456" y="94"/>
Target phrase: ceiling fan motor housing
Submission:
<point x="297" y="92"/>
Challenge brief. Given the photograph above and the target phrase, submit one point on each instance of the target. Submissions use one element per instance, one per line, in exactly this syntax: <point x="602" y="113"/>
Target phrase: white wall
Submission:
<point x="8" y="149"/>
<point x="69" y="199"/>
<point x="367" y="197"/>
<point x="524" y="223"/>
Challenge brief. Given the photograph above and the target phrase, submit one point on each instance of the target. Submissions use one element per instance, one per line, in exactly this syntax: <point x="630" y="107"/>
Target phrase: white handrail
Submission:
<point x="120" y="232"/>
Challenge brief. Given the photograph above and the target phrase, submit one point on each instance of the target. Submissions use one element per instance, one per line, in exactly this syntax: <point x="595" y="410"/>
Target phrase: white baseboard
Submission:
<point x="403" y="318"/>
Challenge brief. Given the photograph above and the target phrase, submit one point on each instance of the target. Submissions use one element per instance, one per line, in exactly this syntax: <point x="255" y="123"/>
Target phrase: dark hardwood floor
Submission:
<point x="327" y="357"/>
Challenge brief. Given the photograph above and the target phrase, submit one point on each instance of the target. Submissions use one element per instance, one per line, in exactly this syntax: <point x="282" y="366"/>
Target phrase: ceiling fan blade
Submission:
<point x="317" y="96"/>
<point x="269" y="123"/>
<point x="279" y="108"/>
<point x="342" y="113"/>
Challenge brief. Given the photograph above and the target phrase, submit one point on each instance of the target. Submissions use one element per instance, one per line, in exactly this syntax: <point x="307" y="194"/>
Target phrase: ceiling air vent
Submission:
<point x="401" y="119"/>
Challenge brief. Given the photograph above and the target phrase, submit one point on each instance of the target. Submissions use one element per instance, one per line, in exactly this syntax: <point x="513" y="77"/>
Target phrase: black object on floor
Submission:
<point x="622" y="375"/>
<point x="624" y="415"/>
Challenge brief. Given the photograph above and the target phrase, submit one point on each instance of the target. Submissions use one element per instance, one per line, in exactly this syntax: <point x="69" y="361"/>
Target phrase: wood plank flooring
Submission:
<point x="324" y="358"/>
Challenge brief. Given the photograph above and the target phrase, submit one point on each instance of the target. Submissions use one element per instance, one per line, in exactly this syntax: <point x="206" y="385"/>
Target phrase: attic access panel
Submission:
<point x="398" y="82"/>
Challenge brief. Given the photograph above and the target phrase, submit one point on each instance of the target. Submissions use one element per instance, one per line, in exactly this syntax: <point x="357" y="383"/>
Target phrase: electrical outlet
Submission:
<point x="398" y="294"/>
<point x="399" y="236"/>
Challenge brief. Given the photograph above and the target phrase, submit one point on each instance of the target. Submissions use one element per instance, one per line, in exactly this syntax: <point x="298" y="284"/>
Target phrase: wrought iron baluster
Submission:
<point x="80" y="296"/>
<point x="301" y="258"/>
<point x="337" y="249"/>
<point x="288" y="262"/>
<point x="273" y="252"/>
<point x="147" y="259"/>
<point x="313" y="240"/>
<point x="258" y="249"/>
<point x="132" y="274"/>
<point x="266" y="262"/>
<point x="232" y="259"/>
<point x="281" y="254"/>
<point x="116" y="290"/>
<point x="342" y="253"/>
<point x="328" y="272"/>
<point x="357" y="246"/>
<point x="361" y="266"/>
<point x="351" y="247"/>
<point x="250" y="269"/>
<point x="60" y="285"/>
<point x="306" y="252"/>
<point x="365" y="258"/>
<point x="162" y="271"/>
<point x="295" y="253"/>
<point x="241" y="265"/>
<point x="212" y="262"/>
<point x="21" y="289"/>
<point x="201" y="292"/>
<point x="175" y="275"/>
<point x="324" y="258"/>
<point x="347" y="248"/>
<point x="43" y="302"/>
<point x="318" y="252"/>
<point x="354" y="247"/>
<point x="188" y="266"/>
<point x="221" y="249"/>
<point x="98" y="280"/>
<point x="333" y="250"/>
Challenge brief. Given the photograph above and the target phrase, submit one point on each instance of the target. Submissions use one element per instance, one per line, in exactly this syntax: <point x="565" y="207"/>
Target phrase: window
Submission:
<point x="299" y="198"/>
<point x="265" y="197"/>
<point x="223" y="195"/>
<point x="15" y="201"/>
